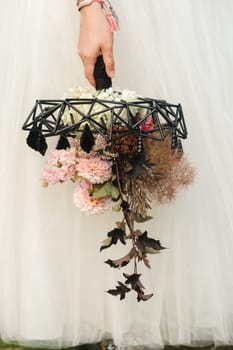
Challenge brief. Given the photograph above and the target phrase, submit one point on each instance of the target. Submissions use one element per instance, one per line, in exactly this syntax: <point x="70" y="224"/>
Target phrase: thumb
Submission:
<point x="109" y="62"/>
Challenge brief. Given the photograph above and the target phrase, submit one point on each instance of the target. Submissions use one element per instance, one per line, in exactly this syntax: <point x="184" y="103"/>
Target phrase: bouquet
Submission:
<point x="122" y="152"/>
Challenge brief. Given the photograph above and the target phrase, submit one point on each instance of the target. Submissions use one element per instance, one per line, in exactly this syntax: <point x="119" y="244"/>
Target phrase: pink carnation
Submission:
<point x="86" y="203"/>
<point x="94" y="169"/>
<point x="61" y="166"/>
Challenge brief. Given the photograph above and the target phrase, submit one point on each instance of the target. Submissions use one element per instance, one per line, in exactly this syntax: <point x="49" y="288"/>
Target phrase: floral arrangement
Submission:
<point x="125" y="174"/>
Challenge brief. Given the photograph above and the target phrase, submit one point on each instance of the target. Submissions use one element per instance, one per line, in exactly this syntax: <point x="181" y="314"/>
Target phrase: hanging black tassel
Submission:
<point x="36" y="140"/>
<point x="62" y="143"/>
<point x="87" y="139"/>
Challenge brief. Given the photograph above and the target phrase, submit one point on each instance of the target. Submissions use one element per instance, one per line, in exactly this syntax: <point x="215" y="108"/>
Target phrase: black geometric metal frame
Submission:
<point x="47" y="116"/>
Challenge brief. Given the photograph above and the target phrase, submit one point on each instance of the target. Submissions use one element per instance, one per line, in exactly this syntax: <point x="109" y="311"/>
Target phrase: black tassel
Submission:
<point x="87" y="139"/>
<point x="36" y="141"/>
<point x="62" y="143"/>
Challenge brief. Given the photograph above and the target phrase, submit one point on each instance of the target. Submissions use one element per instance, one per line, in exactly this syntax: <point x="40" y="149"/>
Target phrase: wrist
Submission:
<point x="94" y="6"/>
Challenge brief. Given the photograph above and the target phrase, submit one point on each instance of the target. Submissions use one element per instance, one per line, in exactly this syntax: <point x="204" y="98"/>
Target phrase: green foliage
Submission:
<point x="105" y="189"/>
<point x="141" y="218"/>
<point x="116" y="207"/>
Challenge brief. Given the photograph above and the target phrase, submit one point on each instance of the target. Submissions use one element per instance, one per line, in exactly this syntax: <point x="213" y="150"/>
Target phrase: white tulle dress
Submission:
<point x="52" y="276"/>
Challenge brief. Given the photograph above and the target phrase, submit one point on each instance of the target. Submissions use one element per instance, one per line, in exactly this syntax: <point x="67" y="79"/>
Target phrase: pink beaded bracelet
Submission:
<point x="108" y="11"/>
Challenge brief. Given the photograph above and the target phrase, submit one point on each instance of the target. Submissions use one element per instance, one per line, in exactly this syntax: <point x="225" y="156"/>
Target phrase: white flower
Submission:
<point x="107" y="95"/>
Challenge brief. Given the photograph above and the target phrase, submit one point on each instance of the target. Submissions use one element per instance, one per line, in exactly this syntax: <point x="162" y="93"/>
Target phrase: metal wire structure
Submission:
<point x="47" y="117"/>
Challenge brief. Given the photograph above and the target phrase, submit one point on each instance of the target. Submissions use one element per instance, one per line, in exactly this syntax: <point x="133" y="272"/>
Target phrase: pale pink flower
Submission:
<point x="100" y="143"/>
<point x="75" y="142"/>
<point x="94" y="169"/>
<point x="86" y="203"/>
<point x="61" y="166"/>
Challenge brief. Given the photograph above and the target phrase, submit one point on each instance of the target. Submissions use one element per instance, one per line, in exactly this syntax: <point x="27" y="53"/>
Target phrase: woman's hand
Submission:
<point x="95" y="38"/>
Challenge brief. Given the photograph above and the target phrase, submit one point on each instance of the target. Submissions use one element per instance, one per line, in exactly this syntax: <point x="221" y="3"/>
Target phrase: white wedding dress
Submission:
<point x="52" y="277"/>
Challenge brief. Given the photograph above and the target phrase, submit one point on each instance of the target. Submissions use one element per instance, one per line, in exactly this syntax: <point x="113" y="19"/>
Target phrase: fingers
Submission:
<point x="89" y="72"/>
<point x="90" y="60"/>
<point x="89" y="65"/>
<point x="108" y="61"/>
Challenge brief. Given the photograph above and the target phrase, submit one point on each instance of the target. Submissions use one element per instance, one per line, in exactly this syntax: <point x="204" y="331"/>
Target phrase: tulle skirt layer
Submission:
<point x="53" y="279"/>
